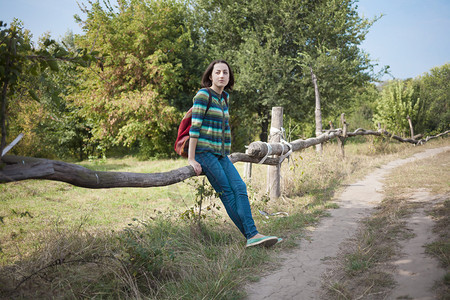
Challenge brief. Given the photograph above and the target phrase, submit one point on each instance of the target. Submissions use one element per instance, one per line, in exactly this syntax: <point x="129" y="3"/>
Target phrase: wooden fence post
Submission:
<point x="317" y="112"/>
<point x="274" y="174"/>
<point x="341" y="139"/>
<point x="410" y="127"/>
<point x="248" y="169"/>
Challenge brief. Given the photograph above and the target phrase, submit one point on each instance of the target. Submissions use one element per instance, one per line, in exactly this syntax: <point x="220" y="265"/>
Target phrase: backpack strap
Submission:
<point x="209" y="102"/>
<point x="224" y="95"/>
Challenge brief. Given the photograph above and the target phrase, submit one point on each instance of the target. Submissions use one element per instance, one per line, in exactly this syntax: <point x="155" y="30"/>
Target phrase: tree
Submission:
<point x="395" y="103"/>
<point x="434" y="92"/>
<point x="23" y="68"/>
<point x="62" y="131"/>
<point x="267" y="42"/>
<point x="134" y="98"/>
<point x="14" y="46"/>
<point x="363" y="107"/>
<point x="318" y="112"/>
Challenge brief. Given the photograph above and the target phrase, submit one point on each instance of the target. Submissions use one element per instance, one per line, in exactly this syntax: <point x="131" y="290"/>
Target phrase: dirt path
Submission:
<point x="416" y="272"/>
<point x="299" y="276"/>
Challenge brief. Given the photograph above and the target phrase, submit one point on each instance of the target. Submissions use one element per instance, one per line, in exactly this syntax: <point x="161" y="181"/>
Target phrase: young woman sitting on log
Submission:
<point x="210" y="144"/>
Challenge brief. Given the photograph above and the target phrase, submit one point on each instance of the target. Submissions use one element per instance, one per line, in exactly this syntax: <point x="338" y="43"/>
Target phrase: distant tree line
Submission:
<point x="122" y="86"/>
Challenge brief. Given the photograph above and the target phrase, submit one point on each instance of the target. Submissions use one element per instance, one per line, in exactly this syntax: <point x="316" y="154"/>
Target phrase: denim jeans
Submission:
<point x="232" y="190"/>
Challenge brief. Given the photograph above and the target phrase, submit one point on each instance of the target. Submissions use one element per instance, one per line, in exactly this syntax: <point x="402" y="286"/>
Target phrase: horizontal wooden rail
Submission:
<point x="17" y="168"/>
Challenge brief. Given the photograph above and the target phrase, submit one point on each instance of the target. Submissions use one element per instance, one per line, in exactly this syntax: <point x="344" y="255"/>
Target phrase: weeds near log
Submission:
<point x="441" y="247"/>
<point x="85" y="244"/>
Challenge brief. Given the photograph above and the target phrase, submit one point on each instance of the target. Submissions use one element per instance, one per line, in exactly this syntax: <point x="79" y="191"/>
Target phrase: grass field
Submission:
<point x="61" y="241"/>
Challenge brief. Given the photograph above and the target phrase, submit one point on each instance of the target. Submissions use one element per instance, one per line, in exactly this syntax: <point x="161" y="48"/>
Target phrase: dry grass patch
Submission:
<point x="77" y="243"/>
<point x="441" y="247"/>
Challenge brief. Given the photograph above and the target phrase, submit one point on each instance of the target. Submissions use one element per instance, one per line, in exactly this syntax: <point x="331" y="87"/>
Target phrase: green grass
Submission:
<point x="28" y="207"/>
<point x="67" y="242"/>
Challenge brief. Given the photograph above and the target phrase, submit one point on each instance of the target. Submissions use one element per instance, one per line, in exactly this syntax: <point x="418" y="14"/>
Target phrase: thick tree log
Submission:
<point x="260" y="149"/>
<point x="21" y="168"/>
<point x="17" y="168"/>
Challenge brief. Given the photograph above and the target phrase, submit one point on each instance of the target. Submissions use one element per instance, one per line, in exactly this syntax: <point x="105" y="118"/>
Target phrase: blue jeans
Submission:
<point x="232" y="190"/>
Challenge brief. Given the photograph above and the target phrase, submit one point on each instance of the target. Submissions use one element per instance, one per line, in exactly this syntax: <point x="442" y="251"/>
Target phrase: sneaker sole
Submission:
<point x="265" y="243"/>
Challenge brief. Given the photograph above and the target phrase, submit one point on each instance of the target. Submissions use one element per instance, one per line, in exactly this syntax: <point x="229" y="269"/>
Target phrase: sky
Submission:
<point x="411" y="37"/>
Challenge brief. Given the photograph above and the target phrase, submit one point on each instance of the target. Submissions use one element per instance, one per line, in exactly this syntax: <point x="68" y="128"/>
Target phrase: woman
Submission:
<point x="209" y="145"/>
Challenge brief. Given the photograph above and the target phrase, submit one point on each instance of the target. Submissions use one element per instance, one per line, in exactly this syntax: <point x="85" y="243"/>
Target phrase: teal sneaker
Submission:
<point x="266" y="241"/>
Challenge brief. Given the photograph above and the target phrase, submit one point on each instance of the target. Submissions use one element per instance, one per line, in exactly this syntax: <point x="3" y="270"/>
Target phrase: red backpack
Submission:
<point x="182" y="142"/>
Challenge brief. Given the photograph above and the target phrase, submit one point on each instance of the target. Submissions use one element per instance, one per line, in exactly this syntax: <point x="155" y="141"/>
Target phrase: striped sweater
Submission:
<point x="212" y="130"/>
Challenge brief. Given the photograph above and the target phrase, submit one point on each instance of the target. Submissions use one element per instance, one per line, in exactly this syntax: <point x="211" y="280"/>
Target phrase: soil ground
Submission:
<point x="416" y="271"/>
<point x="300" y="273"/>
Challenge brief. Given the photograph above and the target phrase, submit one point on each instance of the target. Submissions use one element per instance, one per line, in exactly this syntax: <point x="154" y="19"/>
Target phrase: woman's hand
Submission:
<point x="197" y="167"/>
<point x="191" y="156"/>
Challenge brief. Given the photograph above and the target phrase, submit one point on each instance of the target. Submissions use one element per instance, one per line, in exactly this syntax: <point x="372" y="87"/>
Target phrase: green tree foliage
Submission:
<point x="424" y="99"/>
<point x="14" y="47"/>
<point x="269" y="43"/>
<point x="25" y="74"/>
<point x="434" y="92"/>
<point x="396" y="102"/>
<point x="62" y="130"/>
<point x="363" y="107"/>
<point x="51" y="126"/>
<point x="150" y="71"/>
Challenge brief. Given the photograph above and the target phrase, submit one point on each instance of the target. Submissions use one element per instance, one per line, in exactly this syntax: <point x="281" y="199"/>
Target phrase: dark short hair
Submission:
<point x="206" y="81"/>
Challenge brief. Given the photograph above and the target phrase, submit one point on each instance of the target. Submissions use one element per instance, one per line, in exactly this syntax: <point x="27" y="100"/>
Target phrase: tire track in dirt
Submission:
<point x="299" y="276"/>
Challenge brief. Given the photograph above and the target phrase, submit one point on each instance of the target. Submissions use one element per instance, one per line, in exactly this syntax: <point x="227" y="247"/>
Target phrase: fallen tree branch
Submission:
<point x="21" y="168"/>
<point x="17" y="168"/>
<point x="260" y="149"/>
<point x="433" y="137"/>
<point x="381" y="132"/>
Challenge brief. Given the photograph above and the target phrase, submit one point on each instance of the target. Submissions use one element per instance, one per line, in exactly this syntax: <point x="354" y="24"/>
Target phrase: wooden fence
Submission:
<point x="17" y="168"/>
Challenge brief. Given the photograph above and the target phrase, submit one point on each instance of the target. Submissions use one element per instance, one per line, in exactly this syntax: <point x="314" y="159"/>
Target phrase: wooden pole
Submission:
<point x="248" y="169"/>
<point x="274" y="174"/>
<point x="17" y="168"/>
<point x="341" y="139"/>
<point x="410" y="127"/>
<point x="4" y="99"/>
<point x="318" y="112"/>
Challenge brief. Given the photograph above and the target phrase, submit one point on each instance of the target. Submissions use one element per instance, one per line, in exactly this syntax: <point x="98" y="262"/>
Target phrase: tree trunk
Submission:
<point x="318" y="113"/>
<point x="4" y="99"/>
<point x="341" y="139"/>
<point x="274" y="172"/>
<point x="263" y="136"/>
<point x="16" y="168"/>
<point x="410" y="127"/>
<point x="3" y="116"/>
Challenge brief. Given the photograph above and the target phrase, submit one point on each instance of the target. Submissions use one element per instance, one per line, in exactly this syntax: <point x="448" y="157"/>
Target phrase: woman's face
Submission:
<point x="220" y="76"/>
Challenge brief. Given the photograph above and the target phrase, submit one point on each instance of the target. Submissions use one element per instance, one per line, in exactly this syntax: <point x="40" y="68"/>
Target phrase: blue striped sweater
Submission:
<point x="212" y="131"/>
